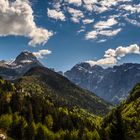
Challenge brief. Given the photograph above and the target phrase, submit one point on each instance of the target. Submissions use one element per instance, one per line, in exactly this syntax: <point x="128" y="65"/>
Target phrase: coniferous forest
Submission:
<point x="28" y="112"/>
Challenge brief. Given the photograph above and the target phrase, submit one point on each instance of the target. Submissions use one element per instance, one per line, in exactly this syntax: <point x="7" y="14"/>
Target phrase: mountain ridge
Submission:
<point x="112" y="84"/>
<point x="61" y="87"/>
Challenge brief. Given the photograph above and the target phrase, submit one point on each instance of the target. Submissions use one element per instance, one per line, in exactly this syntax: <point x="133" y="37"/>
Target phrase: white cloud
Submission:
<point x="100" y="9"/>
<point x="89" y="7"/>
<point x="133" y="21"/>
<point x="103" y="28"/>
<point x="109" y="3"/>
<point x="58" y="15"/>
<point x="16" y="18"/>
<point x="105" y="24"/>
<point x="89" y="1"/>
<point x="42" y="53"/>
<point x="75" y="2"/>
<point x="89" y="4"/>
<point x="102" y="40"/>
<point x="103" y="5"/>
<point x="131" y="8"/>
<point x="103" y="62"/>
<point x="92" y="35"/>
<point x="57" y="6"/>
<point x="109" y="32"/>
<point x="80" y="31"/>
<point x="112" y="56"/>
<point x="122" y="51"/>
<point x="76" y="14"/>
<point x="88" y="21"/>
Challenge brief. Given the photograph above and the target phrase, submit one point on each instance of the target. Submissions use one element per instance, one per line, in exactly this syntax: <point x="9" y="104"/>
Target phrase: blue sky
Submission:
<point x="73" y="30"/>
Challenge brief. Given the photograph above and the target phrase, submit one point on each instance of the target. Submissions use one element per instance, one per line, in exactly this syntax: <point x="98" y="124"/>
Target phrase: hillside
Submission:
<point x="123" y="122"/>
<point x="112" y="84"/>
<point x="33" y="108"/>
<point x="31" y="115"/>
<point x="43" y="80"/>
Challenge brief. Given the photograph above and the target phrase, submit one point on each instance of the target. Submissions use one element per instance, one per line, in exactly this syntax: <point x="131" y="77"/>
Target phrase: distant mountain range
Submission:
<point x="112" y="84"/>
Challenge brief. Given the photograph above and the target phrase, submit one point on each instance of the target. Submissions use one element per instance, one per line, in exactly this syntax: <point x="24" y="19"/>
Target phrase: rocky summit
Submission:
<point x="14" y="69"/>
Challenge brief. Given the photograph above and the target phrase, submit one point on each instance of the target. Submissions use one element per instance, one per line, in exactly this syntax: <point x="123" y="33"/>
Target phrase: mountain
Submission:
<point x="50" y="82"/>
<point x="123" y="122"/>
<point x="112" y="84"/>
<point x="44" y="105"/>
<point x="16" y="68"/>
<point x="30" y="112"/>
<point x="27" y="69"/>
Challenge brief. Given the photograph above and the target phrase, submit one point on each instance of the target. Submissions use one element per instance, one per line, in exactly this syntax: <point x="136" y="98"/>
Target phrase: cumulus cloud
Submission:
<point x="76" y="14"/>
<point x="57" y="5"/>
<point x="103" y="28"/>
<point x="101" y="6"/>
<point x="112" y="56"/>
<point x="110" y="32"/>
<point x="131" y="8"/>
<point x="42" y="53"/>
<point x="57" y="15"/>
<point x="92" y="35"/>
<point x="89" y="4"/>
<point x="105" y="24"/>
<point x="88" y="21"/>
<point x="103" y="62"/>
<point x="75" y="2"/>
<point x="109" y="3"/>
<point x="122" y="51"/>
<point x="16" y="18"/>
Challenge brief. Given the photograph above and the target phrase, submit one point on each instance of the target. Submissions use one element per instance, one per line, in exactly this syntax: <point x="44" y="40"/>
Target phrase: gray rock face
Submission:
<point x="15" y="69"/>
<point x="111" y="84"/>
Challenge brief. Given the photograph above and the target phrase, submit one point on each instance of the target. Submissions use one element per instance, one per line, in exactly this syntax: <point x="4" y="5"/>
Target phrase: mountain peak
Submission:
<point x="23" y="62"/>
<point x="25" y="57"/>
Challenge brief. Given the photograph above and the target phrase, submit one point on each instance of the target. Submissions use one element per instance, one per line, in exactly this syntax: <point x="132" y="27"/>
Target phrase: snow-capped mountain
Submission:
<point x="22" y="63"/>
<point x="112" y="84"/>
